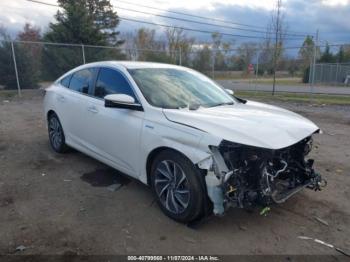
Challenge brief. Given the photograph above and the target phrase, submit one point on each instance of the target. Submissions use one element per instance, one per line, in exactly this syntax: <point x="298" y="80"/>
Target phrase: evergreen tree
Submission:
<point x="88" y="22"/>
<point x="327" y="56"/>
<point x="341" y="55"/>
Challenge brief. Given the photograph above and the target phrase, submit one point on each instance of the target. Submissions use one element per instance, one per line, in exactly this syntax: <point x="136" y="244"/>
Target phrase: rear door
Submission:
<point x="114" y="133"/>
<point x="72" y="103"/>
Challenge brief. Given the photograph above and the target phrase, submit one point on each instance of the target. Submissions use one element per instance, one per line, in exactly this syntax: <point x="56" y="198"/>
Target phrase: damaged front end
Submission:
<point x="246" y="176"/>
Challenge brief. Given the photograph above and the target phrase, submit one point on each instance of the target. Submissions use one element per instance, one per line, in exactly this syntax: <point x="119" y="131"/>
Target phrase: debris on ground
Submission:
<point x="322" y="221"/>
<point x="21" y="248"/>
<point x="264" y="211"/>
<point x="243" y="228"/>
<point x="114" y="187"/>
<point x="190" y="240"/>
<point x="325" y="244"/>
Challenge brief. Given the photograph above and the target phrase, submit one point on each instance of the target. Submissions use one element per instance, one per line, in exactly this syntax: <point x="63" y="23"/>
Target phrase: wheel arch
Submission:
<point x="153" y="154"/>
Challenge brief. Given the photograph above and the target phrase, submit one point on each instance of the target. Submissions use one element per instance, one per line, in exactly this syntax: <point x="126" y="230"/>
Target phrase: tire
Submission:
<point x="172" y="175"/>
<point x="56" y="134"/>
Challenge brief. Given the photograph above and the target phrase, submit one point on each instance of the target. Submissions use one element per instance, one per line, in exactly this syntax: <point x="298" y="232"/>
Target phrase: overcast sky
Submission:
<point x="331" y="17"/>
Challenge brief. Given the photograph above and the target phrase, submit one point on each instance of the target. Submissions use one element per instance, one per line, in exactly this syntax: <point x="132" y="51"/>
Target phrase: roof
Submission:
<point x="125" y="64"/>
<point x="134" y="64"/>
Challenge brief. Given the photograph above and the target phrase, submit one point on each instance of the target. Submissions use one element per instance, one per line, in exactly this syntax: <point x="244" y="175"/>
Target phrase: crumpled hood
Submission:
<point x="253" y="123"/>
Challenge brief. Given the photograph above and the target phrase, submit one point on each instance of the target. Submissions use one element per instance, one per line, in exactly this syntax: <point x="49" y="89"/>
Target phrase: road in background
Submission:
<point x="247" y="86"/>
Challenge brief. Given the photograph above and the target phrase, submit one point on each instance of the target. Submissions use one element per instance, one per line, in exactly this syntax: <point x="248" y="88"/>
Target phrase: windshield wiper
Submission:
<point x="222" y="104"/>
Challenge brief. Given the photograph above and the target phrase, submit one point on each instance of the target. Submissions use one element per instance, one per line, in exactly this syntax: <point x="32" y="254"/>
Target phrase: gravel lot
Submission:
<point x="61" y="204"/>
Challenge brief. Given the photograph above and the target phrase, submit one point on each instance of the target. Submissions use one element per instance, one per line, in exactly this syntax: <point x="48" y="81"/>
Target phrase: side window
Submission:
<point x="110" y="81"/>
<point x="82" y="80"/>
<point x="65" y="81"/>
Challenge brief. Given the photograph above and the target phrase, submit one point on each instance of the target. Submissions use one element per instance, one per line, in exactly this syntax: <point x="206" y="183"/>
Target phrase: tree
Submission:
<point x="306" y="51"/>
<point x="146" y="42"/>
<point x="179" y="44"/>
<point x="278" y="26"/>
<point x="174" y="37"/>
<point x="28" y="71"/>
<point x="33" y="51"/>
<point x="85" y="22"/>
<point x="343" y="55"/>
<point x="88" y="22"/>
<point x="202" y="59"/>
<point x="306" y="54"/>
<point x="7" y="72"/>
<point x="327" y="56"/>
<point x="247" y="52"/>
<point x="293" y="66"/>
<point x="340" y="55"/>
<point x="220" y="49"/>
<point x="266" y="56"/>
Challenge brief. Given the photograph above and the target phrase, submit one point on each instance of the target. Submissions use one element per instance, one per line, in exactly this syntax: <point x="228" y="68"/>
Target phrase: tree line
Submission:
<point x="94" y="22"/>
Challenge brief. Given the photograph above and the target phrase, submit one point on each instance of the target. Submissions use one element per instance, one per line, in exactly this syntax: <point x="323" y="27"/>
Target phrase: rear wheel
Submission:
<point x="56" y="134"/>
<point x="177" y="186"/>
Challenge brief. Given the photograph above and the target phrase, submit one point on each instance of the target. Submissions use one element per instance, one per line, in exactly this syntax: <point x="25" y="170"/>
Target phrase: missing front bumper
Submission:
<point x="245" y="177"/>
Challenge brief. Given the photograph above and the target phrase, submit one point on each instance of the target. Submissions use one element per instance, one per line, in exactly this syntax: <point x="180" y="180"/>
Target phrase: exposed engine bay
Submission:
<point x="249" y="176"/>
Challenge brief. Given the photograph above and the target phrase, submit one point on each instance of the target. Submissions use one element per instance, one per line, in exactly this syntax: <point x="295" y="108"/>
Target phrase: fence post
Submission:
<point x="213" y="66"/>
<point x="310" y="75"/>
<point x="16" y="71"/>
<point x="83" y="51"/>
<point x="257" y="70"/>
<point x="336" y="74"/>
<point x="180" y="56"/>
<point x="314" y="63"/>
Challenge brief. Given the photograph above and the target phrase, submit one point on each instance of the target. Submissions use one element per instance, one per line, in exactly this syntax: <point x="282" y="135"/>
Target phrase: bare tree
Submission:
<point x="279" y="28"/>
<point x="220" y="51"/>
<point x="179" y="45"/>
<point x="247" y="52"/>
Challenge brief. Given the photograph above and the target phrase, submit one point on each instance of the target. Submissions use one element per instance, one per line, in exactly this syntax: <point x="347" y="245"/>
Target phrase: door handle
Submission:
<point x="92" y="109"/>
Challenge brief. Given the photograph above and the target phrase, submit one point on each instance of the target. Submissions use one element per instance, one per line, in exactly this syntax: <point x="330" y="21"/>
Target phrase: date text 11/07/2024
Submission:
<point x="174" y="258"/>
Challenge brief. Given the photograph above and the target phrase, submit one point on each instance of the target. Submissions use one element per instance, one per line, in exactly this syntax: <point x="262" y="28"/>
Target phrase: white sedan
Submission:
<point x="200" y="148"/>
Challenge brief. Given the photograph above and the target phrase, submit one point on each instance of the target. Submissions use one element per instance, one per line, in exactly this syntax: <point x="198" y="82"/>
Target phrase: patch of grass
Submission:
<point x="263" y="80"/>
<point x="291" y="97"/>
<point x="7" y="94"/>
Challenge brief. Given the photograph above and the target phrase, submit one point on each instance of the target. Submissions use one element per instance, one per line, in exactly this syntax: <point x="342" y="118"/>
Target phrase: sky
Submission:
<point x="331" y="17"/>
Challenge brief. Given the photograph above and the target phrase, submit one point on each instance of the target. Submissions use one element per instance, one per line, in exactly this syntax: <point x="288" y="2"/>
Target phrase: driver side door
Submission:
<point x="114" y="133"/>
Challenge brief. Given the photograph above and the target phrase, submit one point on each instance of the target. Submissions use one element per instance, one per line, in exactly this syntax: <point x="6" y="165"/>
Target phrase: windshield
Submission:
<point x="176" y="88"/>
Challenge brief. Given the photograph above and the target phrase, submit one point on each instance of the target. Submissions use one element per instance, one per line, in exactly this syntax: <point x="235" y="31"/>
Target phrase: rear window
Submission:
<point x="65" y="81"/>
<point x="82" y="80"/>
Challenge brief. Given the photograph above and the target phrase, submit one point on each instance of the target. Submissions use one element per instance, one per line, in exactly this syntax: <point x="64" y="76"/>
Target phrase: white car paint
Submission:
<point x="253" y="124"/>
<point x="124" y="139"/>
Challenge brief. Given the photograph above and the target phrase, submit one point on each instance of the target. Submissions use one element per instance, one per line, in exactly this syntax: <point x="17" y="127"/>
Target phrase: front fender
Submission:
<point x="171" y="135"/>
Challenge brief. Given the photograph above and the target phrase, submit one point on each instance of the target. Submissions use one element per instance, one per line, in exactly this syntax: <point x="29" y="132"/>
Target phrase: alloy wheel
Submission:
<point x="171" y="186"/>
<point x="55" y="132"/>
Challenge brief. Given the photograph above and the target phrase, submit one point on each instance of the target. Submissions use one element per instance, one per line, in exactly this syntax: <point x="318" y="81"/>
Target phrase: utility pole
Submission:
<point x="314" y="63"/>
<point x="277" y="29"/>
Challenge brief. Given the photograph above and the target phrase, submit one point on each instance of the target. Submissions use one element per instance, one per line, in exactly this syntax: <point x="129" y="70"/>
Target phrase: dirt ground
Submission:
<point x="61" y="204"/>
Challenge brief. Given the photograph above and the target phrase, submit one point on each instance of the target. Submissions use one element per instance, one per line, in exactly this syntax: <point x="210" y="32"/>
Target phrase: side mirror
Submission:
<point x="122" y="101"/>
<point x="230" y="92"/>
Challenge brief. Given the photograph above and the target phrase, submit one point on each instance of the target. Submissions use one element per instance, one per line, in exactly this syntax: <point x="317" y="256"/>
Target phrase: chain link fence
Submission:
<point x="29" y="65"/>
<point x="332" y="74"/>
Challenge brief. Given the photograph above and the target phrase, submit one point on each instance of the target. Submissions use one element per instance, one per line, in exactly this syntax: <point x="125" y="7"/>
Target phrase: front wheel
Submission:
<point x="56" y="134"/>
<point x="177" y="186"/>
